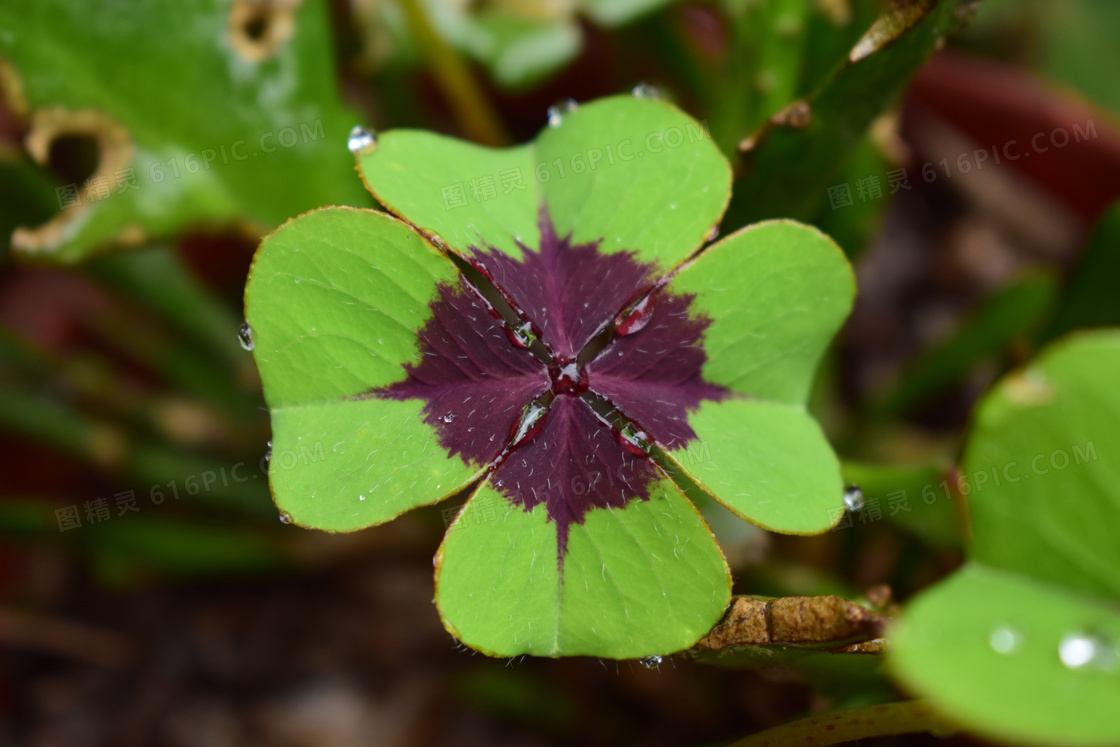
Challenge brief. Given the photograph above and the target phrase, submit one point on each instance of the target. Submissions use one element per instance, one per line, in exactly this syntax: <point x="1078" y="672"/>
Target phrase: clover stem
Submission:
<point x="453" y="75"/>
<point x="850" y="724"/>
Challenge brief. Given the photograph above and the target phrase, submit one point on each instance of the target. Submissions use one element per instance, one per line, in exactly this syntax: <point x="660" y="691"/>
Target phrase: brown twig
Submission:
<point x="65" y="638"/>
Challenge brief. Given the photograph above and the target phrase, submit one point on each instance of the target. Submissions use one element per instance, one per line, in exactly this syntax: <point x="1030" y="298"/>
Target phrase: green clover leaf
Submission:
<point x="546" y="320"/>
<point x="1021" y="644"/>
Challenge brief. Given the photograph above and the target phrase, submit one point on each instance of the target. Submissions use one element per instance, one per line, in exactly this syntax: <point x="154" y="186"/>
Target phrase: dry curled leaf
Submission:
<point x="793" y="621"/>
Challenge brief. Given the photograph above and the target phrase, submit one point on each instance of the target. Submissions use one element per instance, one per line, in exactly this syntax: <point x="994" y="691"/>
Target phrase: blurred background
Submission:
<point x="965" y="155"/>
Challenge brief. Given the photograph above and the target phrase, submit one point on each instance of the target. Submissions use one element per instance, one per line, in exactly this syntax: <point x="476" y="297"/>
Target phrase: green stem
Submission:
<point x="467" y="99"/>
<point x="837" y="727"/>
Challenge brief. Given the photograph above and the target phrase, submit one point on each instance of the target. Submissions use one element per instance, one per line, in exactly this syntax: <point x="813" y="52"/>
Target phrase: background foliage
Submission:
<point x="181" y="611"/>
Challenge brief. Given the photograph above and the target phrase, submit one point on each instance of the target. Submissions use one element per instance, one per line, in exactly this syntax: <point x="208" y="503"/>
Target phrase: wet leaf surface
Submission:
<point x="1020" y="644"/>
<point x="218" y="141"/>
<point x="376" y="348"/>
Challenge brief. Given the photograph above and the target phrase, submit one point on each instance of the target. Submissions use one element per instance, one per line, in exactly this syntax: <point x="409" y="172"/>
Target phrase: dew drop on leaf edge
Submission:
<point x="645" y="91"/>
<point x="650" y="662"/>
<point x="853" y="498"/>
<point x="1005" y="639"/>
<point x="522" y="335"/>
<point x="1079" y="649"/>
<point x="557" y="111"/>
<point x="361" y="140"/>
<point x="633" y="440"/>
<point x="245" y="336"/>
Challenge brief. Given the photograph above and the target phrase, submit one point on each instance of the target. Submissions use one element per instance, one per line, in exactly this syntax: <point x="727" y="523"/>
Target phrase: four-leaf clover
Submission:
<point x="546" y="321"/>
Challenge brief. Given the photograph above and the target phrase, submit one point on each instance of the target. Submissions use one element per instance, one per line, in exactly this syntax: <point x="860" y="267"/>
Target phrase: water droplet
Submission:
<point x="449" y="417"/>
<point x="645" y="91"/>
<point x="1080" y="649"/>
<point x="650" y="662"/>
<point x="361" y="497"/>
<point x="268" y="452"/>
<point x="1077" y="649"/>
<point x="285" y="518"/>
<point x="361" y="140"/>
<point x="522" y="335"/>
<point x="568" y="377"/>
<point x="713" y="234"/>
<point x="532" y="419"/>
<point x="556" y="112"/>
<point x="1004" y="639"/>
<point x="635" y="318"/>
<point x="636" y="441"/>
<point x="853" y="498"/>
<point x="245" y="336"/>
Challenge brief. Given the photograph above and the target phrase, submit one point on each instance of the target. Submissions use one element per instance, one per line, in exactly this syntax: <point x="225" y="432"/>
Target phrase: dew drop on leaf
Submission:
<point x="521" y="335"/>
<point x="1079" y="649"/>
<point x="361" y="140"/>
<point x="634" y="440"/>
<point x="285" y="518"/>
<point x="650" y="662"/>
<point x="1004" y="639"/>
<point x="245" y="336"/>
<point x="853" y="498"/>
<point x="268" y="453"/>
<point x="448" y="417"/>
<point x="713" y="234"/>
<point x="556" y="112"/>
<point x="636" y="317"/>
<point x="645" y="91"/>
<point x="532" y="418"/>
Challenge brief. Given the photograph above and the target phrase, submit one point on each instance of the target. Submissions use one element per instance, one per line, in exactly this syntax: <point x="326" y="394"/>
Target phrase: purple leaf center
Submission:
<point x="482" y="387"/>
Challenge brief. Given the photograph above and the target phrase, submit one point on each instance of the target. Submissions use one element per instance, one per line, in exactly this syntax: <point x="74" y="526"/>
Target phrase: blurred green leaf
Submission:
<point x="617" y="12"/>
<point x="1072" y="42"/>
<point x="130" y="548"/>
<point x="854" y="226"/>
<point x="204" y="113"/>
<point x="149" y="462"/>
<point x="137" y="545"/>
<point x="157" y="278"/>
<point x="1080" y="47"/>
<point x="26" y="194"/>
<point x="1089" y="300"/>
<point x="520" y="42"/>
<point x="522" y="51"/>
<point x="1021" y="644"/>
<point x="23" y="519"/>
<point x="795" y="155"/>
